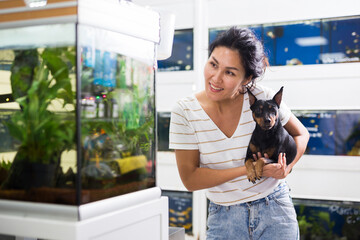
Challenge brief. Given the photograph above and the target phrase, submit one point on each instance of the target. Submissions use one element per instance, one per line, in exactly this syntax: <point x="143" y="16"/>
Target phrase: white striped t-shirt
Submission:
<point x="192" y="129"/>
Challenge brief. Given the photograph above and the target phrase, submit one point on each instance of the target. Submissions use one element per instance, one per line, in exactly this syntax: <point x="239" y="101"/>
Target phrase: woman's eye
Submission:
<point x="212" y="64"/>
<point x="230" y="73"/>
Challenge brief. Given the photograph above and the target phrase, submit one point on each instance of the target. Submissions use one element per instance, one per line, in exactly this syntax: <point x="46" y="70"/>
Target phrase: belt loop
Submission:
<point x="267" y="201"/>
<point x="287" y="184"/>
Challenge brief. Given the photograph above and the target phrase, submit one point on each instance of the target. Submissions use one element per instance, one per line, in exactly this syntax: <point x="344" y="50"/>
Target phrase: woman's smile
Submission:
<point x="214" y="88"/>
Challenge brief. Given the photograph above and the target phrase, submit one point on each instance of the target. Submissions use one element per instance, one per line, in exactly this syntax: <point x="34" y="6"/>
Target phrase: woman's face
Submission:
<point x="224" y="74"/>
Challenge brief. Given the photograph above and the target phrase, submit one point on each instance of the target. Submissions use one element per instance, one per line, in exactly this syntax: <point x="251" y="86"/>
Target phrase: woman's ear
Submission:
<point x="247" y="81"/>
<point x="244" y="84"/>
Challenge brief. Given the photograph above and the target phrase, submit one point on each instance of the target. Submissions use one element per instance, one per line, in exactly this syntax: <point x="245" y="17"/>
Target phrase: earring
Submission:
<point x="243" y="90"/>
<point x="250" y="85"/>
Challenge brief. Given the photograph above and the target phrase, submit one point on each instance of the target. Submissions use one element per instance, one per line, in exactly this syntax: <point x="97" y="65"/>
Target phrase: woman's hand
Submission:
<point x="277" y="170"/>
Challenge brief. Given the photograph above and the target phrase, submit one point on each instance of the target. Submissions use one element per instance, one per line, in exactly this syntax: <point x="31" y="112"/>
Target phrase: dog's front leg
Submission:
<point x="260" y="163"/>
<point x="250" y="170"/>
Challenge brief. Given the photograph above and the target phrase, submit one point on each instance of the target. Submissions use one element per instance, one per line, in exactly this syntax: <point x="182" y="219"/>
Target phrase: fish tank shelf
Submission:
<point x="77" y="102"/>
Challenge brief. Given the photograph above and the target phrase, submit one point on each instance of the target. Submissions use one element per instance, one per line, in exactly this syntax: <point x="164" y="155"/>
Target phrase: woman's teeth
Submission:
<point x="215" y="88"/>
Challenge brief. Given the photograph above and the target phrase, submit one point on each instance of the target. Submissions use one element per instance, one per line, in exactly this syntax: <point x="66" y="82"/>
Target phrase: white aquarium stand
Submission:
<point x="139" y="215"/>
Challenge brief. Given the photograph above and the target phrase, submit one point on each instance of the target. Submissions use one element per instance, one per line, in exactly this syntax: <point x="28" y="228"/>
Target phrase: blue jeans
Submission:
<point x="269" y="218"/>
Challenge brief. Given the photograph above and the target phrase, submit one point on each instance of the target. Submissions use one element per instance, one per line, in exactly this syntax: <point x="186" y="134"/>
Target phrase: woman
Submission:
<point x="210" y="133"/>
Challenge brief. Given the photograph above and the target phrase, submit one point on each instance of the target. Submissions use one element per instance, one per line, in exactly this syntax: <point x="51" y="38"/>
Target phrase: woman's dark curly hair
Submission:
<point x="250" y="49"/>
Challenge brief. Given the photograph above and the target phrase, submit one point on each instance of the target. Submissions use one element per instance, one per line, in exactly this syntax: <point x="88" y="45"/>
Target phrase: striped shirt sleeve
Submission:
<point x="181" y="133"/>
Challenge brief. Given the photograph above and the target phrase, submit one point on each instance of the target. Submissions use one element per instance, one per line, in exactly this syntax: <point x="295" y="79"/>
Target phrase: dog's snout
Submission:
<point x="267" y="120"/>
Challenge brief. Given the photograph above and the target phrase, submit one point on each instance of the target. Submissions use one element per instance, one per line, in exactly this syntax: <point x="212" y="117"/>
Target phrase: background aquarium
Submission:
<point x="325" y="219"/>
<point x="77" y="114"/>
<point x="308" y="41"/>
<point x="332" y="132"/>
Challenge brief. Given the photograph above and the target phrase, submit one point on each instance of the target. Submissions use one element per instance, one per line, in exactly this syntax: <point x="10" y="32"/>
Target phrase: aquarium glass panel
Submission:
<point x="322" y="219"/>
<point x="75" y="135"/>
<point x="343" y="38"/>
<point x="182" y="56"/>
<point x="332" y="132"/>
<point x="214" y="32"/>
<point x="163" y="124"/>
<point x="316" y="41"/>
<point x="294" y="44"/>
<point x="117" y="116"/>
<point x="37" y="114"/>
<point x="180" y="209"/>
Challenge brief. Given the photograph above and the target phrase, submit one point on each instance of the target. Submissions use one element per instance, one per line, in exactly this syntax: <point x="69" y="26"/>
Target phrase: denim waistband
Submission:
<point x="279" y="190"/>
<point x="282" y="188"/>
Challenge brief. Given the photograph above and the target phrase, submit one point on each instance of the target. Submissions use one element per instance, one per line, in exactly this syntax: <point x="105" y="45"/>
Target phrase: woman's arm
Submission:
<point x="196" y="178"/>
<point x="301" y="136"/>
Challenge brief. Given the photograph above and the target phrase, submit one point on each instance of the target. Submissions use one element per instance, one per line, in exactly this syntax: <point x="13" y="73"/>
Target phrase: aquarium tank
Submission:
<point x="77" y="113"/>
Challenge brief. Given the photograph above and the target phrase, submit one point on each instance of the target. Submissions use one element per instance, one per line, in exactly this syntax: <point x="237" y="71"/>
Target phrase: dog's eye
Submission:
<point x="258" y="111"/>
<point x="273" y="110"/>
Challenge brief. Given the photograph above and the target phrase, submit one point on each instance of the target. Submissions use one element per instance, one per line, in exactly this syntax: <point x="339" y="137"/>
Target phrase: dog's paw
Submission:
<point x="252" y="177"/>
<point x="258" y="173"/>
<point x="250" y="171"/>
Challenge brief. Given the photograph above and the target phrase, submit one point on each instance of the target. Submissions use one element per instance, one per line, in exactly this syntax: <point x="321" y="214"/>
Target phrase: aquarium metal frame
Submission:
<point x="78" y="117"/>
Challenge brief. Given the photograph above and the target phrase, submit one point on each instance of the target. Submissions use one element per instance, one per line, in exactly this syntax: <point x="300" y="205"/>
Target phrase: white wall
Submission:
<point x="227" y="12"/>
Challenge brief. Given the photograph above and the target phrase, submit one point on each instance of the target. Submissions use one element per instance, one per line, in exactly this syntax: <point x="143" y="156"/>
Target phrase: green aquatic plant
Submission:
<point x="5" y="164"/>
<point x="36" y="82"/>
<point x="132" y="129"/>
<point x="304" y="224"/>
<point x="322" y="225"/>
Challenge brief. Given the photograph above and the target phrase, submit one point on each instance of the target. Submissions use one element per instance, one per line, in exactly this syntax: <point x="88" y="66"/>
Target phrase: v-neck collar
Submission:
<point x="216" y="126"/>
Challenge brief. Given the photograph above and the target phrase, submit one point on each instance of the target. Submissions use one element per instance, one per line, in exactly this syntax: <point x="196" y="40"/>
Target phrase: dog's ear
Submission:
<point x="252" y="98"/>
<point x="278" y="96"/>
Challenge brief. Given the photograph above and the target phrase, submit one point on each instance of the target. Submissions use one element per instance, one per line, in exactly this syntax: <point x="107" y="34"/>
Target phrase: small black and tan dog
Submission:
<point x="269" y="136"/>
